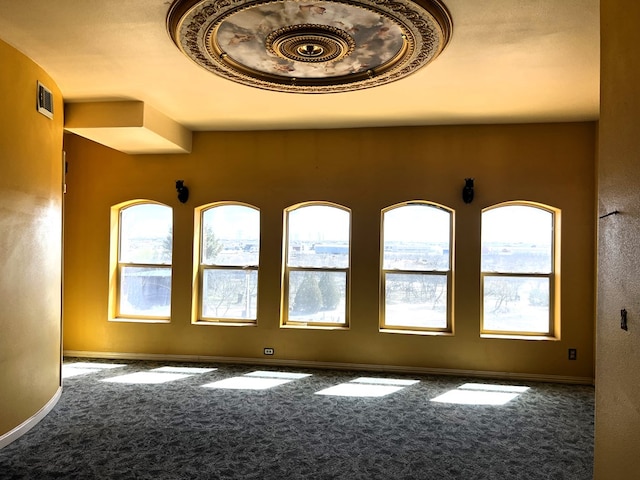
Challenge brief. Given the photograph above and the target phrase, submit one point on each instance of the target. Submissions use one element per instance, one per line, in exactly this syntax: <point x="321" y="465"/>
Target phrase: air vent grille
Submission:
<point x="45" y="101"/>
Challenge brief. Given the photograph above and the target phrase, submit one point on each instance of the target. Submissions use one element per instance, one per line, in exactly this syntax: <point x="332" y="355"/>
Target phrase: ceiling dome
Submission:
<point x="309" y="46"/>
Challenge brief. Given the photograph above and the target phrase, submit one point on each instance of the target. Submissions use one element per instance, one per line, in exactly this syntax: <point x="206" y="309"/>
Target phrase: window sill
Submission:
<point x="306" y="326"/>
<point x="139" y="320"/>
<point x="429" y="333"/>
<point x="511" y="336"/>
<point x="213" y="323"/>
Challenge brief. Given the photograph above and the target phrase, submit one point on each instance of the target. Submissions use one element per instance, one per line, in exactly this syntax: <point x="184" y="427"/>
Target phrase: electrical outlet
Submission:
<point x="268" y="351"/>
<point x="573" y="354"/>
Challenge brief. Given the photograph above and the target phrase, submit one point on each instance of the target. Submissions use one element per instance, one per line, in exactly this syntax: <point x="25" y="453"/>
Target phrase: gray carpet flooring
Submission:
<point x="262" y="423"/>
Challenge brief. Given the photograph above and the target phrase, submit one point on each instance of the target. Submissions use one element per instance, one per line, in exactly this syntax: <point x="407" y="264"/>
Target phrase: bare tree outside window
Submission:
<point x="229" y="256"/>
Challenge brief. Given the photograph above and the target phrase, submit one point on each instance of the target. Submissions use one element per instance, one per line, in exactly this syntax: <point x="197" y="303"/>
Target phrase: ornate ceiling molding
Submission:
<point x="309" y="46"/>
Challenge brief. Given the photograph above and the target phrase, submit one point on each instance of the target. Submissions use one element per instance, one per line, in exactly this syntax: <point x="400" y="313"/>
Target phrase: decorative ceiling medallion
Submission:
<point x="309" y="46"/>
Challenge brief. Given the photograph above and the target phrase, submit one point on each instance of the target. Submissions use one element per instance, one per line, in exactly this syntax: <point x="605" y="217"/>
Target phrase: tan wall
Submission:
<point x="30" y="241"/>
<point x="618" y="351"/>
<point x="365" y="170"/>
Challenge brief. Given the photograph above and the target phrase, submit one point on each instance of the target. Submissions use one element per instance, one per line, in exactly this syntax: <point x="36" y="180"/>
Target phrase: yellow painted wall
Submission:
<point x="365" y="170"/>
<point x="618" y="351"/>
<point x="30" y="241"/>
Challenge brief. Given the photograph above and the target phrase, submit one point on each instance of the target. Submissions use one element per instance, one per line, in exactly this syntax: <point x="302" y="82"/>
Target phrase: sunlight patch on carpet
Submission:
<point x="269" y="374"/>
<point x="192" y="370"/>
<point x="487" y="387"/>
<point x="248" y="383"/>
<point x="148" y="378"/>
<point x="385" y="381"/>
<point x="258" y="380"/>
<point x="368" y="387"/>
<point x="83" y="368"/>
<point x="359" y="390"/>
<point x="481" y="394"/>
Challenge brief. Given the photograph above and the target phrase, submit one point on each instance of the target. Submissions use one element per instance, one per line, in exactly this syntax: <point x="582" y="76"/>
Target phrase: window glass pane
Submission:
<point x="317" y="296"/>
<point x="517" y="239"/>
<point x="230" y="235"/>
<point x="318" y="237"/>
<point x="145" y="291"/>
<point x="516" y="304"/>
<point x="146" y="234"/>
<point x="415" y="300"/>
<point x="416" y="237"/>
<point x="229" y="293"/>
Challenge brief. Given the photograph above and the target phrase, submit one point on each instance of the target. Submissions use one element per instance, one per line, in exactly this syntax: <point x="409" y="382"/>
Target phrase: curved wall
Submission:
<point x="30" y="243"/>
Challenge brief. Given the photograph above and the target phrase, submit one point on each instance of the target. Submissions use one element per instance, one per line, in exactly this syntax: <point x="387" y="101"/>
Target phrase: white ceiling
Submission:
<point x="509" y="61"/>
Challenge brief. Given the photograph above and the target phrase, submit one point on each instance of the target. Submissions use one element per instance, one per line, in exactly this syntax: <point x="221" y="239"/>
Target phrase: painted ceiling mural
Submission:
<point x="243" y="37"/>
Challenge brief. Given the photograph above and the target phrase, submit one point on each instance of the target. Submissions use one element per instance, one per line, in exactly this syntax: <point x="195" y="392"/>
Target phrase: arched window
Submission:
<point x="228" y="250"/>
<point x="316" y="265"/>
<point x="142" y="245"/>
<point x="416" y="278"/>
<point x="520" y="258"/>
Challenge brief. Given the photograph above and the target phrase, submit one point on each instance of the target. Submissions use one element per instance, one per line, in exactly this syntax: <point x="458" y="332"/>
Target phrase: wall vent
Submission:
<point x="45" y="101"/>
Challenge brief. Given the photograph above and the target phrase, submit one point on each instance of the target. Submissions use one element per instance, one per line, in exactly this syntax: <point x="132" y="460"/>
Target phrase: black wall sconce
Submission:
<point x="183" y="192"/>
<point x="467" y="191"/>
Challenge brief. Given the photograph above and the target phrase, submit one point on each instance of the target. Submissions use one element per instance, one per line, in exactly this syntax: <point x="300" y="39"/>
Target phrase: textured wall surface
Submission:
<point x="618" y="350"/>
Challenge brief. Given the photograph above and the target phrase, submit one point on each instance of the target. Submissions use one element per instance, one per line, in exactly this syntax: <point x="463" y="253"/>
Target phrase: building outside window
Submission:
<point x="316" y="265"/>
<point x="416" y="279"/>
<point x="520" y="259"/>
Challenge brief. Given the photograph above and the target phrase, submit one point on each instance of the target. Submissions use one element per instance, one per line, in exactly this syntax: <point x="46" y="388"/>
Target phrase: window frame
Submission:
<point x="286" y="271"/>
<point x="448" y="274"/>
<point x="116" y="266"/>
<point x="553" y="324"/>
<point x="200" y="268"/>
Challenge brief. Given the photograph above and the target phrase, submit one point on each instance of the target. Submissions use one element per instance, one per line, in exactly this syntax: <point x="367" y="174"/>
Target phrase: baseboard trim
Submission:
<point x="531" y="377"/>
<point x="28" y="424"/>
